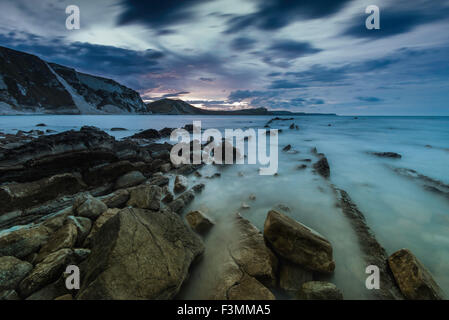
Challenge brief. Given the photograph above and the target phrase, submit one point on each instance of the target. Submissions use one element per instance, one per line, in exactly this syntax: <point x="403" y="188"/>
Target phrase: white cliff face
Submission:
<point x="31" y="85"/>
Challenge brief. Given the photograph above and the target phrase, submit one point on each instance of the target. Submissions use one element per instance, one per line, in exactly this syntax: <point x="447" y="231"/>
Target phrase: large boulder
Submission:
<point x="319" y="290"/>
<point x="12" y="271"/>
<point x="65" y="237"/>
<point x="145" y="197"/>
<point x="24" y="195"/>
<point x="297" y="243"/>
<point x="130" y="179"/>
<point x="88" y="206"/>
<point x="249" y="251"/>
<point x="140" y="254"/>
<point x="24" y="241"/>
<point x="414" y="280"/>
<point x="46" y="272"/>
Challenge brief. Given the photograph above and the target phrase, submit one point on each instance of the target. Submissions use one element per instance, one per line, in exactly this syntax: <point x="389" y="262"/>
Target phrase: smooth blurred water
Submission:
<point x="401" y="213"/>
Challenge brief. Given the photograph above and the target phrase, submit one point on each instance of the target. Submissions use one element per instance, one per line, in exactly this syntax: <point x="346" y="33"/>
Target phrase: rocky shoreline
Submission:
<point x="116" y="209"/>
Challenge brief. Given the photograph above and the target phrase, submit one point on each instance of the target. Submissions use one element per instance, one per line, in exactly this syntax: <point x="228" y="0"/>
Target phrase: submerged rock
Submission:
<point x="319" y="290"/>
<point x="181" y="184"/>
<point x="182" y="201"/>
<point x="292" y="276"/>
<point x="414" y="280"/>
<point x="386" y="154"/>
<point x="298" y="243"/>
<point x="140" y="254"/>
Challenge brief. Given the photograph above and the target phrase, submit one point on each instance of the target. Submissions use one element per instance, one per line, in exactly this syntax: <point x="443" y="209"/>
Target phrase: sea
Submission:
<point x="399" y="209"/>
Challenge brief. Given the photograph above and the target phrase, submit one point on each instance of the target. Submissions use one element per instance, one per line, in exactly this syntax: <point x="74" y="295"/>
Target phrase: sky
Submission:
<point x="296" y="55"/>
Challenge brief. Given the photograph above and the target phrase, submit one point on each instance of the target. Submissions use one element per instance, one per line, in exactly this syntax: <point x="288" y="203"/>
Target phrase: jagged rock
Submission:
<point x="118" y="129"/>
<point x="198" y="187"/>
<point x="181" y="184"/>
<point x="65" y="237"/>
<point x="12" y="271"/>
<point x="130" y="179"/>
<point x="199" y="222"/>
<point x="414" y="280"/>
<point x="58" y="220"/>
<point x="146" y="253"/>
<point x="116" y="199"/>
<point x="24" y="195"/>
<point x="249" y="251"/>
<point x="297" y="243"/>
<point x="9" y="295"/>
<point x="83" y="226"/>
<point x="22" y="242"/>
<point x="318" y="290"/>
<point x="45" y="272"/>
<point x="145" y="197"/>
<point x="182" y="201"/>
<point x="291" y="276"/>
<point x="101" y="220"/>
<point x="88" y="206"/>
<point x="322" y="167"/>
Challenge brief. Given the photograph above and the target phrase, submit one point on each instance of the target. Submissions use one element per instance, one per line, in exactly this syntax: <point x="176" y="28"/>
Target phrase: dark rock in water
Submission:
<point x="318" y="290"/>
<point x="374" y="253"/>
<point x="159" y="180"/>
<point x="215" y="175"/>
<point x="198" y="187"/>
<point x="182" y="201"/>
<point x="41" y="125"/>
<point x="414" y="280"/>
<point x="149" y="134"/>
<point x="119" y="129"/>
<point x="24" y="195"/>
<point x="199" y="222"/>
<point x="166" y="132"/>
<point x="180" y="184"/>
<point x="287" y="147"/>
<point x="387" y="154"/>
<point x="301" y="167"/>
<point x="306" y="160"/>
<point x="148" y="254"/>
<point x="297" y="243"/>
<point x="322" y="167"/>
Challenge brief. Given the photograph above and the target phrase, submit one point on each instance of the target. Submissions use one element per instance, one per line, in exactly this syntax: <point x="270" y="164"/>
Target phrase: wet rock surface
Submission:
<point x="414" y="280"/>
<point x="318" y="290"/>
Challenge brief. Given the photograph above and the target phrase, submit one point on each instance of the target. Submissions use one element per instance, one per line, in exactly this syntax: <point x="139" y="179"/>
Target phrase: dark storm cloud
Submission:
<point x="285" y="84"/>
<point x="276" y="14"/>
<point x="282" y="52"/>
<point x="401" y="17"/>
<point x="243" y="44"/>
<point x="369" y="99"/>
<point x="158" y="13"/>
<point x="204" y="79"/>
<point x="176" y="94"/>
